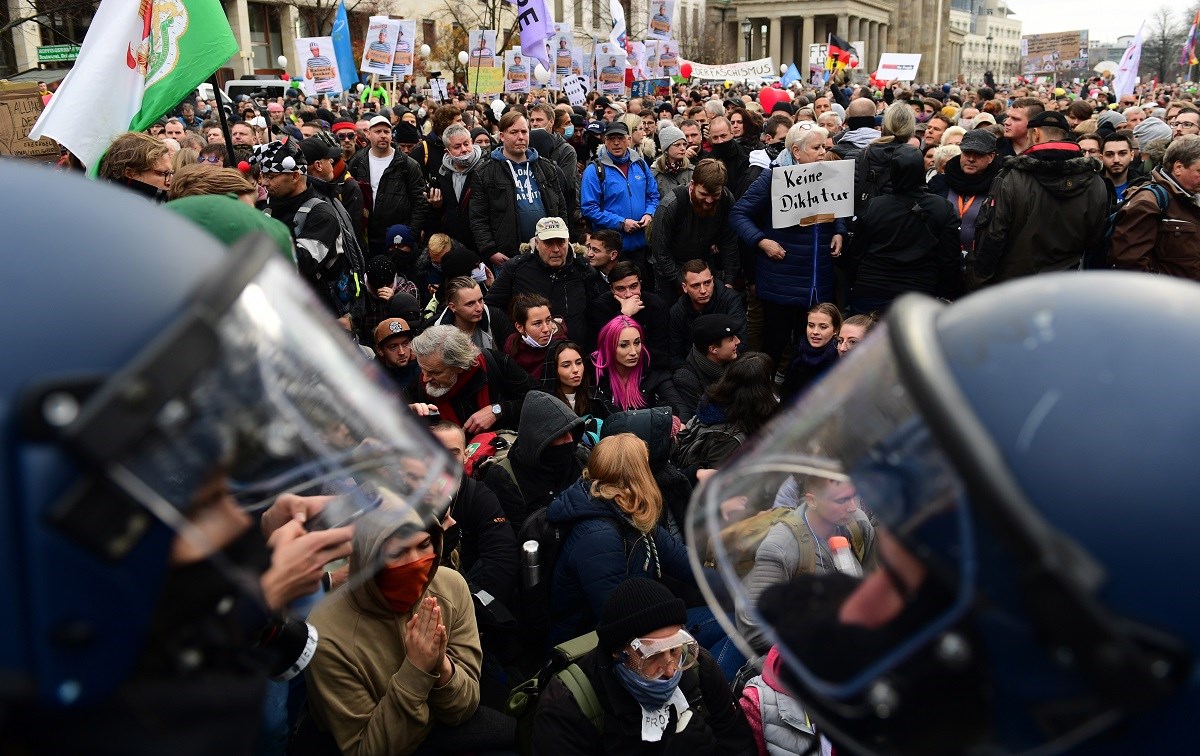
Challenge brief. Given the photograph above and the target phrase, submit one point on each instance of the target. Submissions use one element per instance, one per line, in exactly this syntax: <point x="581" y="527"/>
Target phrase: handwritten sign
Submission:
<point x="812" y="193"/>
<point x="20" y="106"/>
<point x="573" y="86"/>
<point x="488" y="80"/>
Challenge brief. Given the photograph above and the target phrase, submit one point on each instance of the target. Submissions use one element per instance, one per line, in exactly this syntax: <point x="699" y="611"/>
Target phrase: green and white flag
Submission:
<point x="140" y="58"/>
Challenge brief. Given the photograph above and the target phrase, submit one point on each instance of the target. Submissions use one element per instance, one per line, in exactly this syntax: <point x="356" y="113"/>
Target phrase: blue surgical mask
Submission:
<point x="652" y="694"/>
<point x="569" y="131"/>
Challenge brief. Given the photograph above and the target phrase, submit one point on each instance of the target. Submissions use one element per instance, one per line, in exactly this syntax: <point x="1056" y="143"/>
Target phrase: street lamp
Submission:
<point x="988" y="65"/>
<point x="746" y="26"/>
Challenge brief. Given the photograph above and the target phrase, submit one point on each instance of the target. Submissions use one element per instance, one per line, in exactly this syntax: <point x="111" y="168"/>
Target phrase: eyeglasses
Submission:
<point x="214" y="159"/>
<point x="1183" y="125"/>
<point x="164" y="174"/>
<point x="346" y="135"/>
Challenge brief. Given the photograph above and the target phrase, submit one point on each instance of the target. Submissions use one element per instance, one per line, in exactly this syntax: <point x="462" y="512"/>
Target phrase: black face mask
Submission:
<point x="929" y="684"/>
<point x="774" y="149"/>
<point x="558" y="457"/>
<point x="724" y="149"/>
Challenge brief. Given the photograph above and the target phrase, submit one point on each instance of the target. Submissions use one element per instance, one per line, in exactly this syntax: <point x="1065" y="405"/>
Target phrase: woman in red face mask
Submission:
<point x="398" y="655"/>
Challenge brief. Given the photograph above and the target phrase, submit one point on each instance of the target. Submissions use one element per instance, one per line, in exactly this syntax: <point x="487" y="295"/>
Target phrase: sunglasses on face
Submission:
<point x="214" y="159"/>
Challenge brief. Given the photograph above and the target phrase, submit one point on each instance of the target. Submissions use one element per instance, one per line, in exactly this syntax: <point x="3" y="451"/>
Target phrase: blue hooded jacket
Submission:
<point x="804" y="276"/>
<point x="597" y="556"/>
<point x="619" y="198"/>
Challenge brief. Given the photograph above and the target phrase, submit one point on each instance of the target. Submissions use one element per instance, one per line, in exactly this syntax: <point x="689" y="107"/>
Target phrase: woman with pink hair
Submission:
<point x="624" y="378"/>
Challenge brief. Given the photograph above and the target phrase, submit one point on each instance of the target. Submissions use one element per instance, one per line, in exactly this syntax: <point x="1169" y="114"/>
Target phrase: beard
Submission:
<point x="436" y="391"/>
<point x="703" y="210"/>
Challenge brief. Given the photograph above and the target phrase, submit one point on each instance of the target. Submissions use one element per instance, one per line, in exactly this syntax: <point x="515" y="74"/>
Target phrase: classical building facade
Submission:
<point x="992" y="38"/>
<point x="784" y="30"/>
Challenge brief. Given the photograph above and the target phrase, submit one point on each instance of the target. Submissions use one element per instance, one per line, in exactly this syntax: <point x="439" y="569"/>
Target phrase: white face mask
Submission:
<point x="420" y="112"/>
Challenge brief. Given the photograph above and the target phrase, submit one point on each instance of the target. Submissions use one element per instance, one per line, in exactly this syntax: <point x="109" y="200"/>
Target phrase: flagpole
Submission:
<point x="224" y="121"/>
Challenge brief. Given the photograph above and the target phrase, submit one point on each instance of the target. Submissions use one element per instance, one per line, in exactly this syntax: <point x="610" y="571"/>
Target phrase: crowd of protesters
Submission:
<point x="600" y="291"/>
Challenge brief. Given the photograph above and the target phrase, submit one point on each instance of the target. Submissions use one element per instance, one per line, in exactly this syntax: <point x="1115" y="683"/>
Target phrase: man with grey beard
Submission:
<point x="476" y="389"/>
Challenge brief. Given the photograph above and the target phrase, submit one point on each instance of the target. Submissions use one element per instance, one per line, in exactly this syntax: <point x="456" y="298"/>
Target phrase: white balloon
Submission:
<point x="463" y="57"/>
<point x="424" y="51"/>
<point x="541" y="74"/>
<point x="782" y="70"/>
<point x="282" y="60"/>
<point x="361" y="87"/>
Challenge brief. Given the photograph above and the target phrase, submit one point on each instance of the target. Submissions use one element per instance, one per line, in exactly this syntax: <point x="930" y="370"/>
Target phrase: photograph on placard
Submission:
<point x="562" y="44"/>
<point x="380" y="48"/>
<point x="668" y="57"/>
<point x="660" y="12"/>
<point x="402" y="63"/>
<point x="482" y="47"/>
<point x="552" y="79"/>
<point x="610" y="66"/>
<point x="637" y="60"/>
<point x="577" y="60"/>
<point x="516" y="71"/>
<point x="653" y="69"/>
<point x="319" y="65"/>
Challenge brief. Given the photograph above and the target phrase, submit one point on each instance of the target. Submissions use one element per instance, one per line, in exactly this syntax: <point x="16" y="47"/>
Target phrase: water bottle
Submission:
<point x="843" y="557"/>
<point x="531" y="567"/>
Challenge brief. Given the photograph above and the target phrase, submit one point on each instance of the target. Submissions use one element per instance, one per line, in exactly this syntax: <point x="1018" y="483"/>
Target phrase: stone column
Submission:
<point x="26" y="38"/>
<point x="873" y="47"/>
<point x="775" y="41"/>
<point x="843" y="26"/>
<point x="755" y="39"/>
<point x="787" y="50"/>
<point x="806" y="39"/>
<point x="238" y="13"/>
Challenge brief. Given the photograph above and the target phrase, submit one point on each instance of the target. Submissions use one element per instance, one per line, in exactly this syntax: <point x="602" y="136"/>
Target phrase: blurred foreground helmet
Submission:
<point x="1028" y="458"/>
<point x="151" y="380"/>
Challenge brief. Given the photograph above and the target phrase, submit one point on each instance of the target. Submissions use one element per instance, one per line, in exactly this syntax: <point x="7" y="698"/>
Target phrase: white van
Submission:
<point x="271" y="88"/>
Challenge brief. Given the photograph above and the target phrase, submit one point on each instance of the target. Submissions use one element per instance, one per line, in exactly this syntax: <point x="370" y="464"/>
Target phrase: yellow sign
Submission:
<point x="487" y="80"/>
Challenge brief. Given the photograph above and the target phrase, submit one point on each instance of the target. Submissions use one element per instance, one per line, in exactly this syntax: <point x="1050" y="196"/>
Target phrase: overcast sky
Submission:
<point x="1107" y="19"/>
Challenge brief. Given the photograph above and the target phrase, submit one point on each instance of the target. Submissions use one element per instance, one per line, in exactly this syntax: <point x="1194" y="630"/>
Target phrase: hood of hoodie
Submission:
<point x="1060" y="168"/>
<point x="908" y="171"/>
<point x="603" y="156"/>
<point x="652" y="425"/>
<point x="543" y="419"/>
<point x="861" y="137"/>
<point x="531" y="155"/>
<point x="371" y="532"/>
<point x="577" y="503"/>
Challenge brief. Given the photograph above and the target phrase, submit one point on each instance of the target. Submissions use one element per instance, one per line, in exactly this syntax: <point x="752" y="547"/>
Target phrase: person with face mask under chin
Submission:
<point x="398" y="661"/>
<point x="659" y="691"/>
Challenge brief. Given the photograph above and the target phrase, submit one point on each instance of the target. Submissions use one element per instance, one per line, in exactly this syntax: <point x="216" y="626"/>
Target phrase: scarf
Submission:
<point x="459" y="177"/>
<point x="621" y="160"/>
<point x="650" y="694"/>
<point x="807" y="354"/>
<point x="443" y="402"/>
<point x="708" y="370"/>
<point x="970" y="186"/>
<point x="671" y="167"/>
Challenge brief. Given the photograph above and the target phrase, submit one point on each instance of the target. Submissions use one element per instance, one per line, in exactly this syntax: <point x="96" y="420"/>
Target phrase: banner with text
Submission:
<point x="898" y="66"/>
<point x="763" y="68"/>
<point x="812" y="193"/>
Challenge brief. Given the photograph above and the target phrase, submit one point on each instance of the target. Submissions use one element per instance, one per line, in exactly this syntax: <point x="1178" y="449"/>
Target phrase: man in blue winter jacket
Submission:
<point x="619" y="192"/>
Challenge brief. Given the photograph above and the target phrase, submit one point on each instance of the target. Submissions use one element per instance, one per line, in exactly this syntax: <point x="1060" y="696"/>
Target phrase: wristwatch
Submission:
<point x="496" y="410"/>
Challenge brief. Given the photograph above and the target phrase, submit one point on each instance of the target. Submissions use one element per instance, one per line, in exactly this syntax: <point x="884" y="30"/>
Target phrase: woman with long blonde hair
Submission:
<point x="612" y="513"/>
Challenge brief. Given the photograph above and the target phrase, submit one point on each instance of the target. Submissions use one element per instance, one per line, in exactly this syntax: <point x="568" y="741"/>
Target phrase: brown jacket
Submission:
<point x="1168" y="243"/>
<point x="362" y="689"/>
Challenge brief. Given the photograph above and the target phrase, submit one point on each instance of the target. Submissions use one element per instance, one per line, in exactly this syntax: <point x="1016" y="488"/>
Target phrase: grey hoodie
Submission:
<point x="543" y="419"/>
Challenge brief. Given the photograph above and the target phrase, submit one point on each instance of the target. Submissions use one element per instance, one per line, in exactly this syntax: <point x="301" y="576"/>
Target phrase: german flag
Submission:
<point x="839" y="54"/>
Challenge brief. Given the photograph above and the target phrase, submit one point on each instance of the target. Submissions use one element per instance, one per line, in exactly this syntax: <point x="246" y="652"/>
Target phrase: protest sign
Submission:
<point x="402" y="63"/>
<point x="651" y="88"/>
<point x="483" y="47"/>
<point x="516" y="71"/>
<point x="488" y="80"/>
<point x="574" y="89"/>
<point x="20" y="106"/>
<point x="1059" y="54"/>
<point x="763" y="68"/>
<point x="319" y="65"/>
<point x="898" y="66"/>
<point x="380" y="45"/>
<point x="668" y="57"/>
<point x="812" y="193"/>
<point x="659" y="24"/>
<point x="561" y="46"/>
<point x="610" y="68"/>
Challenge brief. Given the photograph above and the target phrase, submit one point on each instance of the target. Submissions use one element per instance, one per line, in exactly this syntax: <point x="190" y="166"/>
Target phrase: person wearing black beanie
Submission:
<point x="658" y="692"/>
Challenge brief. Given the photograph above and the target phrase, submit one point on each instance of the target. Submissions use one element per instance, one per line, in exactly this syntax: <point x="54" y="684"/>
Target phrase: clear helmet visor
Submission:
<point x="288" y="405"/>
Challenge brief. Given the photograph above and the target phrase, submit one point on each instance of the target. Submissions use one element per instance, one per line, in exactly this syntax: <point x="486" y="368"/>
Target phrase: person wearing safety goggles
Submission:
<point x="1027" y="595"/>
<point x="143" y="610"/>
<point x="660" y="693"/>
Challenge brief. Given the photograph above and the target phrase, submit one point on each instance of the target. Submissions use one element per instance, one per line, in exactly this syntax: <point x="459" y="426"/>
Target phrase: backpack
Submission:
<point x="696" y="440"/>
<point x="349" y="286"/>
<point x="487" y="449"/>
<point x="872" y="174"/>
<point x="742" y="539"/>
<point x="1160" y="195"/>
<point x="563" y="663"/>
<point x="599" y="166"/>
